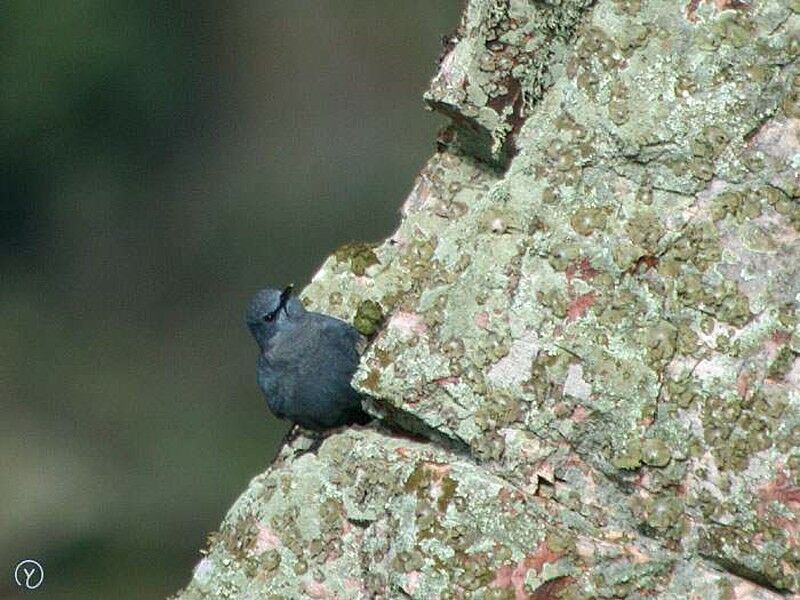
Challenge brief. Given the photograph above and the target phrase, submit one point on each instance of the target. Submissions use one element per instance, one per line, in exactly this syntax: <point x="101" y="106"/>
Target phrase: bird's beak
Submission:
<point x="285" y="295"/>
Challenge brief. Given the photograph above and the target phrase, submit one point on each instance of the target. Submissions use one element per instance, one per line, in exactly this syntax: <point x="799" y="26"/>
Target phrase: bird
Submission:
<point x="305" y="362"/>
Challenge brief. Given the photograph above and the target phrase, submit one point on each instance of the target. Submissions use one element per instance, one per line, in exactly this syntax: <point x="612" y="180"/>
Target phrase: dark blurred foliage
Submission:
<point x="159" y="161"/>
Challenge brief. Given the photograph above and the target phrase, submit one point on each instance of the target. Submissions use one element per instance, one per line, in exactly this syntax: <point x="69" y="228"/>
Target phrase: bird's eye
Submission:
<point x="269" y="317"/>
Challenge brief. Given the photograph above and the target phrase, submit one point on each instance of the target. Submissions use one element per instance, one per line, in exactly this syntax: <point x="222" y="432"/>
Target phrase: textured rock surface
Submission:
<point x="605" y="336"/>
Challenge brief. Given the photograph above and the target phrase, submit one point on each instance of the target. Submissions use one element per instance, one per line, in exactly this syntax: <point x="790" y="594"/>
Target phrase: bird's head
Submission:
<point x="270" y="310"/>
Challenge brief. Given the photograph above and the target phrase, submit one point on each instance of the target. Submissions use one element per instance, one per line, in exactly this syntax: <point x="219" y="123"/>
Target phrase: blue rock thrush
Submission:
<point x="306" y="362"/>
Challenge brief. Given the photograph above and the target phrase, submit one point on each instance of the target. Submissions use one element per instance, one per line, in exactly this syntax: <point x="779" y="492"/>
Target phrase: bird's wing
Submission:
<point x="316" y="362"/>
<point x="320" y="338"/>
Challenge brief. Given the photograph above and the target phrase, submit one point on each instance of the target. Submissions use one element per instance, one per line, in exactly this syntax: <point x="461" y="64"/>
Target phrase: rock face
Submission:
<point x="591" y="308"/>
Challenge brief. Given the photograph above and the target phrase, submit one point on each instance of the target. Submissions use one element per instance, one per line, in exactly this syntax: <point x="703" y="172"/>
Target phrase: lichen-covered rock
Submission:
<point x="498" y="66"/>
<point x="611" y="327"/>
<point x="376" y="516"/>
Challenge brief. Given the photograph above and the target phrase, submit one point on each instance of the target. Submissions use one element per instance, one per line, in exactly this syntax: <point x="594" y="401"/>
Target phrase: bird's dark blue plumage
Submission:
<point x="306" y="361"/>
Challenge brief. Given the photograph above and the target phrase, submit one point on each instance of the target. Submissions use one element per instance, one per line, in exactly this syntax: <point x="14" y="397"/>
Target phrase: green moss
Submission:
<point x="716" y="138"/>
<point x="662" y="512"/>
<point x="699" y="246"/>
<point x="645" y="229"/>
<point x="618" y="111"/>
<point x="791" y="104"/>
<point x="656" y="453"/>
<point x="498" y="411"/>
<point x="660" y="340"/>
<point x="688" y="340"/>
<point x="734" y="30"/>
<point x="563" y="255"/>
<point x="619" y="307"/>
<point x="454" y="348"/>
<point x="561" y="542"/>
<point x="701" y="168"/>
<point x="683" y="391"/>
<point x="499" y="593"/>
<point x="372" y="380"/>
<point x="488" y="447"/>
<point x="731" y="305"/>
<point x="555" y="300"/>
<point x="330" y="513"/>
<point x="782" y="364"/>
<point x="300" y="567"/>
<point x="360" y="255"/>
<point x="741" y="205"/>
<point x="369" y="317"/>
<point x="631" y="457"/>
<point x="587" y="220"/>
<point x="270" y="560"/>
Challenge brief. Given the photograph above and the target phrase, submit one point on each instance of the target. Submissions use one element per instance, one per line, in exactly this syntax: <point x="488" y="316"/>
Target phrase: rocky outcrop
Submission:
<point x="591" y="312"/>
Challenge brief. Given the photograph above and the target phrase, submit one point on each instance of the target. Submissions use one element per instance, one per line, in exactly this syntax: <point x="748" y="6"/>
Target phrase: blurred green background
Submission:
<point x="159" y="162"/>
